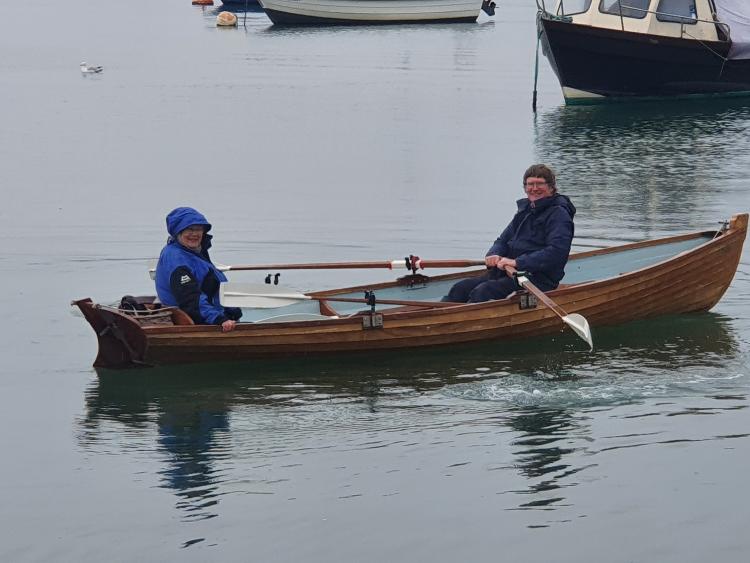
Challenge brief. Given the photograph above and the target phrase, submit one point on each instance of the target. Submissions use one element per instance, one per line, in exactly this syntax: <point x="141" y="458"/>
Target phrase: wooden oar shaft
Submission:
<point x="313" y="266"/>
<point x="384" y="264"/>
<point x="449" y="263"/>
<point x="539" y="294"/>
<point x="576" y="321"/>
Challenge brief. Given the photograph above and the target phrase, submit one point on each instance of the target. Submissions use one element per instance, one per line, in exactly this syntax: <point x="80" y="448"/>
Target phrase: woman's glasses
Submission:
<point x="197" y="229"/>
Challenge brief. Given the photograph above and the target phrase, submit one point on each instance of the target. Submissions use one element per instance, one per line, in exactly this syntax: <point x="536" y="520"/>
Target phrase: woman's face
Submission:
<point x="191" y="237"/>
<point x="537" y="188"/>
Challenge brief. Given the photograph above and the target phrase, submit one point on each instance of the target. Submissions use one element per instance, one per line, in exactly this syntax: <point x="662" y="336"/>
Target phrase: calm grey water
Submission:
<point x="350" y="144"/>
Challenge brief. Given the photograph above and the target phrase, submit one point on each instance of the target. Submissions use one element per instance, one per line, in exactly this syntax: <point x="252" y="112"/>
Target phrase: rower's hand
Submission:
<point x="228" y="326"/>
<point x="503" y="262"/>
<point x="491" y="261"/>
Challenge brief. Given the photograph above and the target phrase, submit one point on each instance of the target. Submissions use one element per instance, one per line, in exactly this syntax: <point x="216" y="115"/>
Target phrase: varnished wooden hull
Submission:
<point x="693" y="280"/>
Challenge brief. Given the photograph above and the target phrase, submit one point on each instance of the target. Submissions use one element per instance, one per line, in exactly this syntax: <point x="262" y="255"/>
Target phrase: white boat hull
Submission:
<point x="370" y="11"/>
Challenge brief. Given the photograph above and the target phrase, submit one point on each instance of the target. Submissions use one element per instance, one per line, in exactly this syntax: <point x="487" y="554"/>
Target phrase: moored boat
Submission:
<point x="678" y="274"/>
<point x="604" y="50"/>
<point x="316" y="12"/>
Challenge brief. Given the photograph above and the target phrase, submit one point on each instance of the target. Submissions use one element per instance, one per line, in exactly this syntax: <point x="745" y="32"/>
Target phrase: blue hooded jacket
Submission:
<point x="188" y="279"/>
<point x="539" y="238"/>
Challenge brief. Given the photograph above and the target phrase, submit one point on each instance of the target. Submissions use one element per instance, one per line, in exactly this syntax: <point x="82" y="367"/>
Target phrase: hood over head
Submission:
<point x="181" y="218"/>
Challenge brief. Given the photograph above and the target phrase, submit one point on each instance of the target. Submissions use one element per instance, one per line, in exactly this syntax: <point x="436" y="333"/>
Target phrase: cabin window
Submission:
<point x="628" y="8"/>
<point x="679" y="11"/>
<point x="570" y="7"/>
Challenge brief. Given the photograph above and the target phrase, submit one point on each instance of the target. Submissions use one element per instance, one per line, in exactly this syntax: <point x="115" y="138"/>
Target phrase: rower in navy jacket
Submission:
<point x="186" y="277"/>
<point x="537" y="242"/>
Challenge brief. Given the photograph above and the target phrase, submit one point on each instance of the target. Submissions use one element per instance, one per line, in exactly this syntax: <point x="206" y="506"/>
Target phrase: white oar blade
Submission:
<point x="580" y="326"/>
<point x="152" y="269"/>
<point x="258" y="295"/>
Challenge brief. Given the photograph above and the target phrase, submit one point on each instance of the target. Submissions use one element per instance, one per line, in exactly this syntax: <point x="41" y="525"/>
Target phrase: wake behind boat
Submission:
<point x="678" y="274"/>
<point x="326" y="12"/>
<point x="624" y="49"/>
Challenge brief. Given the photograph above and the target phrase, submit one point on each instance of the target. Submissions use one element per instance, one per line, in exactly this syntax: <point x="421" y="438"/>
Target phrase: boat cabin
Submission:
<point x="688" y="19"/>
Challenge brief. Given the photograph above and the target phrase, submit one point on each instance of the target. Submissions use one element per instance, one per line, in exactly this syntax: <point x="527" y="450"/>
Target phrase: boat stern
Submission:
<point x="122" y="342"/>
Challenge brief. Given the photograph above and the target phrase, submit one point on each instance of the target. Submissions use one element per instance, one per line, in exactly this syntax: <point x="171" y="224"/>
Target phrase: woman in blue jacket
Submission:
<point x="537" y="242"/>
<point x="186" y="277"/>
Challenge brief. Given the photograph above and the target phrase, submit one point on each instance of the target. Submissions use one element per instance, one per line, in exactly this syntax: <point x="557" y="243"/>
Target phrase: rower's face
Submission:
<point x="537" y="188"/>
<point x="191" y="237"/>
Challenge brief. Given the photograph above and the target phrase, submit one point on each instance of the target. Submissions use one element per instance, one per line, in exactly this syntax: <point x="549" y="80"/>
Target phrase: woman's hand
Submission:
<point x="506" y="262"/>
<point x="228" y="326"/>
<point x="492" y="260"/>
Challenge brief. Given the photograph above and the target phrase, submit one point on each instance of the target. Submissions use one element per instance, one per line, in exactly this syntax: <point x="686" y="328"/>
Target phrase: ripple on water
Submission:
<point x="609" y="389"/>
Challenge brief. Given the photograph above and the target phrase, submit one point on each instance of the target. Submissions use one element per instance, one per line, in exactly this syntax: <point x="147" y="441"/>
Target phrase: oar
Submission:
<point x="265" y="296"/>
<point x="404" y="263"/>
<point x="577" y="322"/>
<point x="413" y="262"/>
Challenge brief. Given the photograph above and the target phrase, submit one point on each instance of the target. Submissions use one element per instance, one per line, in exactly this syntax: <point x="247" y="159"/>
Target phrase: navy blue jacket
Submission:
<point x="539" y="238"/>
<point x="188" y="279"/>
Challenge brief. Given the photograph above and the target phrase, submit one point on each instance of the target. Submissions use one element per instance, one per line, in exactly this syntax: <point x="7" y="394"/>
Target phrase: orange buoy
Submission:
<point x="203" y="2"/>
<point x="226" y="19"/>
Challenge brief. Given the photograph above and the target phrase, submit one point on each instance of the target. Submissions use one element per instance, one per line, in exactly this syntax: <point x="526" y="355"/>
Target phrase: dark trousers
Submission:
<point x="495" y="284"/>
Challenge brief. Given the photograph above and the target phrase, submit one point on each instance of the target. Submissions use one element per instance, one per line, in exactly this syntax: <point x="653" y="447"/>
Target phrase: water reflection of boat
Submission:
<point x="682" y="134"/>
<point x="608" y="286"/>
<point x="646" y="161"/>
<point x="188" y="412"/>
<point x="301" y="12"/>
<point x="622" y="49"/>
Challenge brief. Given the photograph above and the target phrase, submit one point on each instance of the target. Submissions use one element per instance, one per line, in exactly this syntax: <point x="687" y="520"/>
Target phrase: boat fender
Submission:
<point x="488" y="7"/>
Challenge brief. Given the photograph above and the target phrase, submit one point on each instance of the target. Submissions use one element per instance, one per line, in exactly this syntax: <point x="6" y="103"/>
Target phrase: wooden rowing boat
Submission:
<point x="678" y="274"/>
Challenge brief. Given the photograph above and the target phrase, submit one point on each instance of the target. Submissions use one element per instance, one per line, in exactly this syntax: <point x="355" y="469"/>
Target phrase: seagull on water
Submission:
<point x="86" y="69"/>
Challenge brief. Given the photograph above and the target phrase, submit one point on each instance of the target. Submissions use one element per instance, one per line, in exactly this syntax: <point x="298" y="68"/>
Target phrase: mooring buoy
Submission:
<point x="227" y="19"/>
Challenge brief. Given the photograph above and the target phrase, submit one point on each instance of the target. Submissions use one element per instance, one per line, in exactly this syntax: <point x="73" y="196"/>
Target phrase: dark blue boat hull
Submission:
<point x="620" y="64"/>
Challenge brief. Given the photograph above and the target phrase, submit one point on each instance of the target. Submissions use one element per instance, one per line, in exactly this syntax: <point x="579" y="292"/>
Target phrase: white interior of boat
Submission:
<point x="579" y="269"/>
<point x="690" y="19"/>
